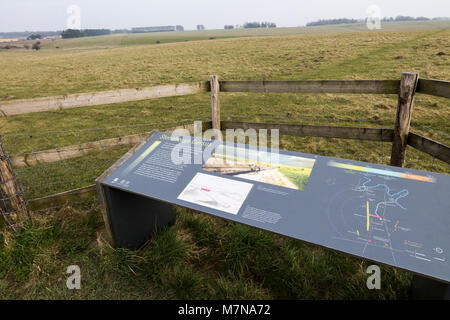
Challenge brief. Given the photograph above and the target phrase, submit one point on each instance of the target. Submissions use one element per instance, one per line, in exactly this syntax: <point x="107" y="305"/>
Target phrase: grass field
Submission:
<point x="204" y="257"/>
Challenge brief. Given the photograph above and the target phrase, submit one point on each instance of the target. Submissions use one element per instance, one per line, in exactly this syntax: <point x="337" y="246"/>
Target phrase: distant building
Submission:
<point x="153" y="29"/>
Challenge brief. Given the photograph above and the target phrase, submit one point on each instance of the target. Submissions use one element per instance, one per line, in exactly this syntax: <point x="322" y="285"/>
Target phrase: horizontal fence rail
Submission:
<point x="301" y="130"/>
<point x="70" y="152"/>
<point x="432" y="87"/>
<point x="84" y="149"/>
<point x="16" y="107"/>
<point x="313" y="86"/>
<point x="433" y="148"/>
<point x="24" y="106"/>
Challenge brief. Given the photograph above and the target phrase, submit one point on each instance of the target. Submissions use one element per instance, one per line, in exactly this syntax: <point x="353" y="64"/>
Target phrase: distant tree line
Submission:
<point x="249" y="25"/>
<point x="75" y="33"/>
<point x="153" y="29"/>
<point x="406" y="18"/>
<point x="26" y="34"/>
<point x="331" y="21"/>
<point x="34" y="36"/>
<point x="324" y="22"/>
<point x="119" y="31"/>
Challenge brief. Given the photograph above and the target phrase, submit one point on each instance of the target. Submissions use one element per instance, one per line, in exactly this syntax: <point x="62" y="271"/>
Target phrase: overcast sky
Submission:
<point x="21" y="15"/>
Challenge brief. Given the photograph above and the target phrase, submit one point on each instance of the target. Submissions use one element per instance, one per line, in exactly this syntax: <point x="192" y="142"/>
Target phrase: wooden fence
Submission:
<point x="400" y="135"/>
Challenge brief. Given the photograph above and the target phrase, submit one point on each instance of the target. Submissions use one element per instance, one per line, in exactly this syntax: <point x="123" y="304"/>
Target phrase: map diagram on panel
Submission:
<point x="217" y="193"/>
<point x="373" y="212"/>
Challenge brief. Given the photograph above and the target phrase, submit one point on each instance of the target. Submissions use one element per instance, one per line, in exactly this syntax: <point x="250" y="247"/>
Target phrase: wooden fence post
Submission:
<point x="13" y="207"/>
<point x="406" y="93"/>
<point x="215" y="102"/>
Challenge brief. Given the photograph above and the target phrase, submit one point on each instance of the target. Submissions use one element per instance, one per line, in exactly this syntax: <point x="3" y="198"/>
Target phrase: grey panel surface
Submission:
<point x="391" y="215"/>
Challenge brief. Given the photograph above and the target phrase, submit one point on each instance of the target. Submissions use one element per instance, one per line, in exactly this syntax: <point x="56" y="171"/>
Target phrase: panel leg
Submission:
<point x="134" y="219"/>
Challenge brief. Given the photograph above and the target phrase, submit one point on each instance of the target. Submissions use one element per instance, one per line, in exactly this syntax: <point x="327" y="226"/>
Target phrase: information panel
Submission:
<point x="391" y="215"/>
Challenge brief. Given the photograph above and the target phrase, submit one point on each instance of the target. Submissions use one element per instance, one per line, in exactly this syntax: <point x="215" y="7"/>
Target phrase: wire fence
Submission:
<point x="52" y="162"/>
<point x="367" y="151"/>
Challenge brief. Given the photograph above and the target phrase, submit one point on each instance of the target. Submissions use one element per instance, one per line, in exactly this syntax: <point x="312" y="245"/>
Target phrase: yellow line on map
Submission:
<point x="368" y="216"/>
